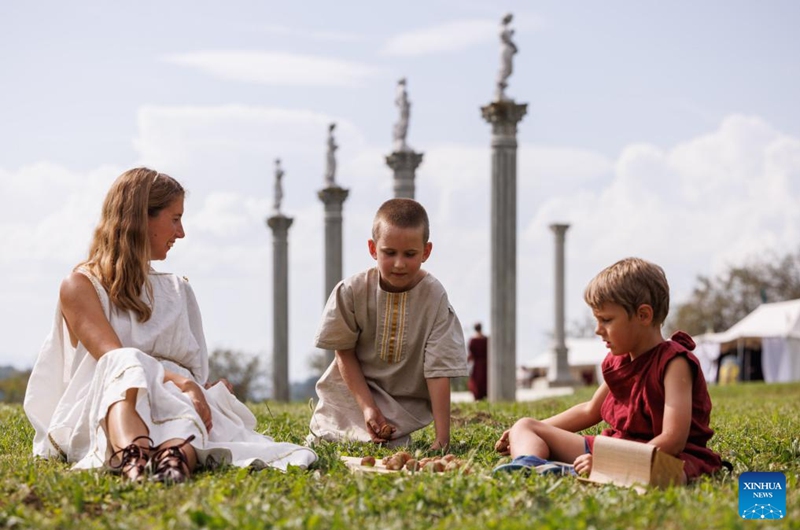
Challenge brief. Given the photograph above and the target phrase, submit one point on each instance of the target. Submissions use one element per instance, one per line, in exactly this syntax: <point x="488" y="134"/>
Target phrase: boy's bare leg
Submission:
<point x="533" y="437"/>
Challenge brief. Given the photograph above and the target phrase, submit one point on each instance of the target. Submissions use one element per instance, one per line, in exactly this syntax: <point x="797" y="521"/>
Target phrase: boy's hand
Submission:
<point x="439" y="445"/>
<point x="378" y="428"/>
<point x="583" y="464"/>
<point x="502" y="445"/>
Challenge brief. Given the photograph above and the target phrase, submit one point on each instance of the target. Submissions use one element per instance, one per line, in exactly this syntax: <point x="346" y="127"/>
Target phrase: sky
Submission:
<point x="665" y="130"/>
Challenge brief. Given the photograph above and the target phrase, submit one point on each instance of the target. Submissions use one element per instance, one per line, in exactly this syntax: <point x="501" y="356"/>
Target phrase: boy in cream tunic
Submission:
<point x="397" y="341"/>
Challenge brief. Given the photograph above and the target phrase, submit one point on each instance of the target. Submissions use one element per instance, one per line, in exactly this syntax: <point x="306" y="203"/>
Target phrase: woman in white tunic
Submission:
<point x="121" y="379"/>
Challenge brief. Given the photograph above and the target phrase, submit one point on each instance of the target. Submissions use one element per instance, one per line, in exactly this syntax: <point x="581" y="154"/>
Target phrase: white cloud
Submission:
<point x="695" y="209"/>
<point x="448" y="37"/>
<point x="48" y="211"/>
<point x="454" y="36"/>
<point x="326" y="36"/>
<point x="174" y="136"/>
<point x="276" y="68"/>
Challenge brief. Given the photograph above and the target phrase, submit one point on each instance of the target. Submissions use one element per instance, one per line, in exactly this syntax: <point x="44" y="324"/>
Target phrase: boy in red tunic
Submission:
<point x="653" y="391"/>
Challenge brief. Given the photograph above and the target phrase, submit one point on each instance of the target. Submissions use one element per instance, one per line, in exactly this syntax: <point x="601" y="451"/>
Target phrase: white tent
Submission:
<point x="582" y="354"/>
<point x="776" y="326"/>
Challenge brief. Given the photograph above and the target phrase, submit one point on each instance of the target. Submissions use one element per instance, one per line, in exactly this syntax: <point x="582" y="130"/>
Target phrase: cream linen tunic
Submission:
<point x="69" y="392"/>
<point x="400" y="339"/>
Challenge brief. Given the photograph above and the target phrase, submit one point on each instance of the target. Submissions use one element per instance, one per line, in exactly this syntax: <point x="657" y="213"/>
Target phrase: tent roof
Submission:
<point x="580" y="352"/>
<point x="778" y="319"/>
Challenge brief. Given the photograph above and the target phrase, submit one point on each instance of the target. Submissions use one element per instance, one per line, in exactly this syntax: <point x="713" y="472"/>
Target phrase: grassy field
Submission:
<point x="757" y="429"/>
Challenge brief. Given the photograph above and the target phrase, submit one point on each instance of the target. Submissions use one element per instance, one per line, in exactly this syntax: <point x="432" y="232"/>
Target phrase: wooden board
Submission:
<point x="632" y="464"/>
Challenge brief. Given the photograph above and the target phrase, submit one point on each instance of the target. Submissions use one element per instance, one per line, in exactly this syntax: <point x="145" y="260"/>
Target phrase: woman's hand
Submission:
<point x="583" y="464"/>
<point x="378" y="428"/>
<point x="193" y="390"/>
<point x="502" y="445"/>
<point x="224" y="381"/>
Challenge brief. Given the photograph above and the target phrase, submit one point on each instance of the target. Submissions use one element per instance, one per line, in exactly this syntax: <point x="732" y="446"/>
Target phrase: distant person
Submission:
<point x="478" y="349"/>
<point x="397" y="341"/>
<point x="653" y="391"/>
<point x="121" y="380"/>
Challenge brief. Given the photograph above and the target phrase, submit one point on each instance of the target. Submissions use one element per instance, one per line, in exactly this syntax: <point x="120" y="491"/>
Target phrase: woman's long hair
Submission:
<point x="120" y="252"/>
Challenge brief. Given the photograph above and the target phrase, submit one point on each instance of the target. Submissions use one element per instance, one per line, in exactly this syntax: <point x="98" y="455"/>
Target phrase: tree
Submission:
<point x="243" y="371"/>
<point x="13" y="385"/>
<point x="718" y="303"/>
<point x="583" y="327"/>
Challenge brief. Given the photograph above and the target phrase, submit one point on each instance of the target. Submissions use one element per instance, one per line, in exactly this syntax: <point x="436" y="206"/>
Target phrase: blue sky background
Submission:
<point x="665" y="130"/>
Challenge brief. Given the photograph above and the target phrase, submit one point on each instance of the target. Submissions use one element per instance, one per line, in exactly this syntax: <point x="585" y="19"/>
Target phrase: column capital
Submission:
<point x="333" y="195"/>
<point x="504" y="112"/>
<point x="400" y="160"/>
<point x="279" y="222"/>
<point x="559" y="228"/>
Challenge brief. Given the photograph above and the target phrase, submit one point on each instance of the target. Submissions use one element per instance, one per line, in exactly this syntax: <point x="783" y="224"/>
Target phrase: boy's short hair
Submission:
<point x="630" y="283"/>
<point x="402" y="213"/>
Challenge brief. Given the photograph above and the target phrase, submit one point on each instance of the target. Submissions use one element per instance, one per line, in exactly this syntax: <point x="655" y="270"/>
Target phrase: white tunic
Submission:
<point x="69" y="391"/>
<point x="400" y="340"/>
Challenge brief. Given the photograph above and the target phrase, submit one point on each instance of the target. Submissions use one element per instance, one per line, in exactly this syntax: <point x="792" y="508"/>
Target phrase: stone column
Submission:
<point x="558" y="374"/>
<point x="404" y="164"/>
<point x="280" y="224"/>
<point x="503" y="116"/>
<point x="332" y="197"/>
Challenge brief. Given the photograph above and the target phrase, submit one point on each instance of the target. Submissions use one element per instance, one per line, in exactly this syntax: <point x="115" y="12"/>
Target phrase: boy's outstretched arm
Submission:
<point x="353" y="377"/>
<point x="678" y="382"/>
<point x="439" y="389"/>
<point x="583" y="415"/>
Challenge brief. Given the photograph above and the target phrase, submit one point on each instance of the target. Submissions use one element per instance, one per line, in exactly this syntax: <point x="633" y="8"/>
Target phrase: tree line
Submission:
<point x="718" y="302"/>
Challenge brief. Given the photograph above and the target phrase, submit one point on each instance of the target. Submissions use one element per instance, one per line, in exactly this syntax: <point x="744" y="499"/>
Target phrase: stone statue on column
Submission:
<point x="507" y="51"/>
<point x="330" y="166"/>
<point x="403" y="160"/>
<point x="278" y="186"/>
<point x="401" y="127"/>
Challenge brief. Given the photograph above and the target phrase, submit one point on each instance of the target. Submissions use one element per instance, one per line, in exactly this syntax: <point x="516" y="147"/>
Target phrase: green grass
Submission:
<point x="757" y="429"/>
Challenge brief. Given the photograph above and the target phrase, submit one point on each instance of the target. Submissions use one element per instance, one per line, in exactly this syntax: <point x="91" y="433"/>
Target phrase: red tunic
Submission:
<point x="478" y="347"/>
<point x="635" y="406"/>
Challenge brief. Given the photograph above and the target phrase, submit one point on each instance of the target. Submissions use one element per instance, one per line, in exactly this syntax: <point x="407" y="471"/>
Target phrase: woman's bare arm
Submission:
<point x="83" y="312"/>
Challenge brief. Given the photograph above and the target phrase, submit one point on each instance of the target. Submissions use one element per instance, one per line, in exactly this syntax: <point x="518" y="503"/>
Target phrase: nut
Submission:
<point x="386" y="431"/>
<point x="368" y="461"/>
<point x="394" y="464"/>
<point x="403" y="455"/>
<point x="412" y="465"/>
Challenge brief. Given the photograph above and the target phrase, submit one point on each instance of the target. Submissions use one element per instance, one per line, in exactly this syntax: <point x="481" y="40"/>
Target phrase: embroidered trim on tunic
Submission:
<point x="394" y="327"/>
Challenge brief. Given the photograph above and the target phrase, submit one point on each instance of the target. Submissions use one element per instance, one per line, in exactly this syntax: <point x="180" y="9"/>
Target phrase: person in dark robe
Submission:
<point x="478" y="350"/>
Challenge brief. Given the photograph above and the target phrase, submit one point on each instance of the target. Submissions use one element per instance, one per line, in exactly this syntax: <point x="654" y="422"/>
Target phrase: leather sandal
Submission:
<point x="132" y="461"/>
<point x="170" y="464"/>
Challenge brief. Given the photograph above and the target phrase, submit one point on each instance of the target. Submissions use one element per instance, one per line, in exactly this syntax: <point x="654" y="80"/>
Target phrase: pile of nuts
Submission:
<point x="404" y="460"/>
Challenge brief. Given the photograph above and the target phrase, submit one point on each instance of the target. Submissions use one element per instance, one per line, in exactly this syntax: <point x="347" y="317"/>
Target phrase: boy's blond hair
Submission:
<point x="402" y="213"/>
<point x="630" y="283"/>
